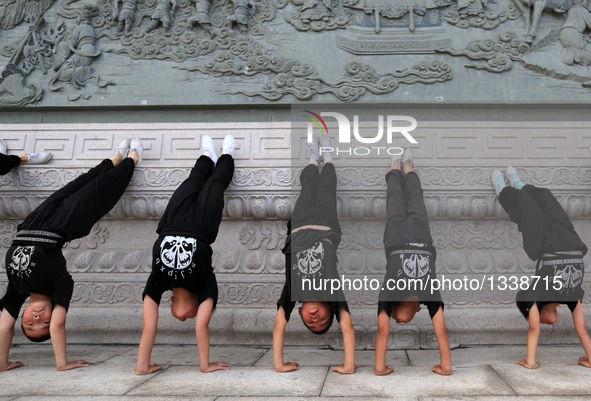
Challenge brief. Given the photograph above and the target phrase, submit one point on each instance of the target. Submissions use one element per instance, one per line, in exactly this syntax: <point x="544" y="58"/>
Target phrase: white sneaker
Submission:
<point x="513" y="178"/>
<point x="3" y="147"/>
<point x="123" y="148"/>
<point x="498" y="181"/>
<point x="229" y="145"/>
<point x="208" y="148"/>
<point x="408" y="157"/>
<point x="314" y="151"/>
<point x="326" y="144"/>
<point x="136" y="145"/>
<point x="38" y="157"/>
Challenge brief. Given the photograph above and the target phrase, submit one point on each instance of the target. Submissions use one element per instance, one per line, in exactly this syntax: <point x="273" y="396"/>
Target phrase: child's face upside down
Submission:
<point x="404" y="312"/>
<point x="37" y="317"/>
<point x="315" y="315"/>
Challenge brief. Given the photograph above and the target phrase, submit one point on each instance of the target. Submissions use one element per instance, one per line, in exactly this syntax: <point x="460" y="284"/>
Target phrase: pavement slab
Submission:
<point x="470" y="356"/>
<point x="238" y="381"/>
<point x="307" y="356"/>
<point x="33" y="355"/>
<point x="508" y="398"/>
<point x="117" y="398"/>
<point x="90" y="381"/>
<point x="187" y="355"/>
<point x="417" y="381"/>
<point x="548" y="380"/>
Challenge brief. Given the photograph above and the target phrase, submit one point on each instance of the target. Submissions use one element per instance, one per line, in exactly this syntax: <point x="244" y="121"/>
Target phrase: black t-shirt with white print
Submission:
<point x="36" y="269"/>
<point x="414" y="265"/>
<point x="311" y="255"/>
<point x="185" y="262"/>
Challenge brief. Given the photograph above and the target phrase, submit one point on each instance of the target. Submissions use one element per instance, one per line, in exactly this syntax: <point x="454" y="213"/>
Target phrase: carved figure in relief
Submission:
<point x="35" y="265"/>
<point x="396" y="9"/>
<point x="201" y="15"/>
<point x="242" y="9"/>
<point x="164" y="14"/>
<point x="572" y="34"/>
<point x="317" y="10"/>
<point x="314" y="234"/>
<point x="550" y="239"/>
<point x="471" y="7"/>
<point x="125" y="15"/>
<point x="57" y="38"/>
<point x="532" y="12"/>
<point x="410" y="259"/>
<point x="182" y="254"/>
<point x="77" y="68"/>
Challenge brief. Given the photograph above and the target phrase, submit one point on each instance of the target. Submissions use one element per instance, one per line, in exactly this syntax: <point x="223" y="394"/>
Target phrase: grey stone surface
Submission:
<point x="35" y="355"/>
<point x="188" y="355"/>
<point x="326" y="357"/>
<point x="551" y="379"/>
<point x="469" y="356"/>
<point x="473" y="380"/>
<point x="245" y="381"/>
<point x="115" y="398"/>
<point x="508" y="398"/>
<point x="93" y="380"/>
<point x="419" y="381"/>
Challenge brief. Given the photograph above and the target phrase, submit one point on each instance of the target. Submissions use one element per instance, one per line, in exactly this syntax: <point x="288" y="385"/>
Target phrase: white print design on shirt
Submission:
<point x="177" y="252"/>
<point x="571" y="276"/>
<point x="21" y="261"/>
<point x="415" y="266"/>
<point x="309" y="261"/>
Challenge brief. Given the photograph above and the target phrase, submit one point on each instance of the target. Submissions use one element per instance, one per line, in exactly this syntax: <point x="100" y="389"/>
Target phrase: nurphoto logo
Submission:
<point x="388" y="128"/>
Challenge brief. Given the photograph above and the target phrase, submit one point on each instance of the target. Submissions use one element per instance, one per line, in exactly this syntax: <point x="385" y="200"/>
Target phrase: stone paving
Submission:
<point x="480" y="374"/>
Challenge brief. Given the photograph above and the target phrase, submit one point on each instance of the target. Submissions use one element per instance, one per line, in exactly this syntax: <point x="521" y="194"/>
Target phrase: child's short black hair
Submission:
<point x="323" y="331"/>
<point x="39" y="339"/>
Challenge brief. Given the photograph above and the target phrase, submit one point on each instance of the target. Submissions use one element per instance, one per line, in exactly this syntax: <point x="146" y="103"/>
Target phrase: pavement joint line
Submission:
<point x="407" y="358"/>
<point x="324" y="381"/>
<point x="261" y="357"/>
<point x="503" y="379"/>
<point x="148" y="378"/>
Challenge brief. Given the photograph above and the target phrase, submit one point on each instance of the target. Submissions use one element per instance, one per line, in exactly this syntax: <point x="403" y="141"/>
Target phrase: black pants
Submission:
<point x="408" y="220"/>
<point x="197" y="204"/>
<point x="543" y="223"/>
<point x="72" y="210"/>
<point x="317" y="203"/>
<point x="8" y="162"/>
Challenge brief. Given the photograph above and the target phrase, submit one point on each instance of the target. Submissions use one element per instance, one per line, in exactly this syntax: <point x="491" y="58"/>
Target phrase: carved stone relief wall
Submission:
<point x="472" y="233"/>
<point x="72" y="53"/>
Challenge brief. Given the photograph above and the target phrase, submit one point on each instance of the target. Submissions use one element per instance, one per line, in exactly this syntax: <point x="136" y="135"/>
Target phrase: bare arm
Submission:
<point x="202" y="332"/>
<point x="444" y="367"/>
<point x="382" y="345"/>
<point x="148" y="338"/>
<point x="278" y="340"/>
<point x="57" y="330"/>
<point x="579" y="323"/>
<point x="533" y="334"/>
<point x="348" y="331"/>
<point x="6" y="333"/>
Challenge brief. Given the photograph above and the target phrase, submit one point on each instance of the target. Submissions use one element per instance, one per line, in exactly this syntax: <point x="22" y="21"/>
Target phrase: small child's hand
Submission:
<point x="11" y="365"/>
<point x="344" y="370"/>
<point x="523" y="362"/>
<point x="287" y="367"/>
<point x="218" y="365"/>
<point x="441" y="371"/>
<point x="73" y="365"/>
<point x="584" y="361"/>
<point x="383" y="372"/>
<point x="151" y="369"/>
